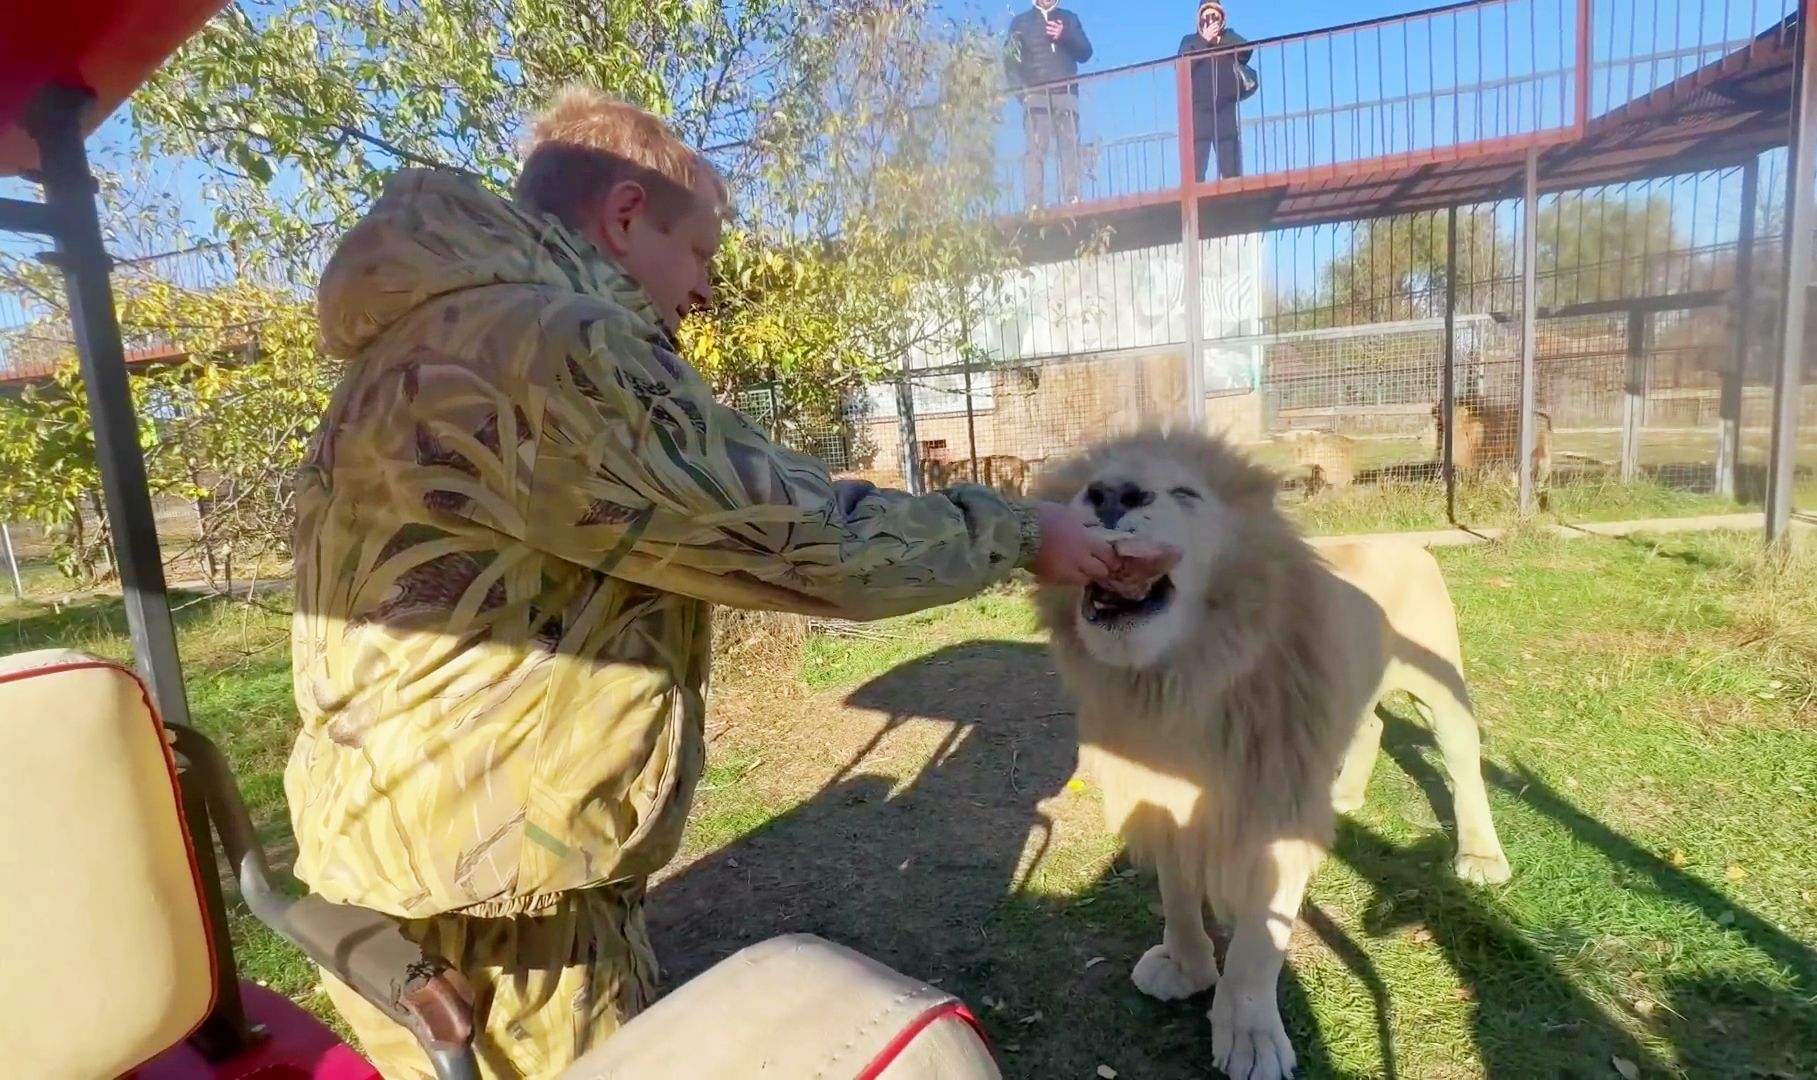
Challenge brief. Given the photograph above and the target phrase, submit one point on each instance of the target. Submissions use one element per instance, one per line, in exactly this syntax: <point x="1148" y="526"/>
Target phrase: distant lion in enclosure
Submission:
<point x="1323" y="459"/>
<point x="1487" y="438"/>
<point x="1005" y="474"/>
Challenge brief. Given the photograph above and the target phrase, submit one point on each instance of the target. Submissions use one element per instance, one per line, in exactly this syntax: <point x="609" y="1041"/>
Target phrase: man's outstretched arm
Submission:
<point x="641" y="474"/>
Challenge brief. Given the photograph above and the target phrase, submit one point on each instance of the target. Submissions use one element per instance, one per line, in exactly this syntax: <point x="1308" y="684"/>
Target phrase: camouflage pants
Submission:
<point x="548" y="987"/>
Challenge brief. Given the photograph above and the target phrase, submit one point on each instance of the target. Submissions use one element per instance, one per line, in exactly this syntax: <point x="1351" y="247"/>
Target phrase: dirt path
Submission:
<point x="924" y="796"/>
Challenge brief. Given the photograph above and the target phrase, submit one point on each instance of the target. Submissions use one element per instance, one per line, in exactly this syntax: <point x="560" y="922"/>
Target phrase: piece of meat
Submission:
<point x="1140" y="562"/>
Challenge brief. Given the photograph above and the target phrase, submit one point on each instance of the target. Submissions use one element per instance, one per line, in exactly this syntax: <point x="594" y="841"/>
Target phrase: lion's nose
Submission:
<point x="1111" y="501"/>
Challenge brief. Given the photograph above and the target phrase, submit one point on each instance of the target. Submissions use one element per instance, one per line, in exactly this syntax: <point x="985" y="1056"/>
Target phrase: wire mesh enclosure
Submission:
<point x="1539" y="244"/>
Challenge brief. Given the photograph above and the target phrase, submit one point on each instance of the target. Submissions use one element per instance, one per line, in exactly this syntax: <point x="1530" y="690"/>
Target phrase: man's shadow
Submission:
<point x="908" y="875"/>
<point x="929" y="878"/>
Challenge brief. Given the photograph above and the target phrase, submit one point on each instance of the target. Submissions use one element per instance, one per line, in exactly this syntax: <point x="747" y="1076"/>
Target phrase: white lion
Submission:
<point x="1216" y="708"/>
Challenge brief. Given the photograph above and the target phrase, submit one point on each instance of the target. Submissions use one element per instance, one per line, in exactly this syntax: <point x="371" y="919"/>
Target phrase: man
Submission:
<point x="511" y="525"/>
<point x="1044" y="48"/>
<point x="1218" y="83"/>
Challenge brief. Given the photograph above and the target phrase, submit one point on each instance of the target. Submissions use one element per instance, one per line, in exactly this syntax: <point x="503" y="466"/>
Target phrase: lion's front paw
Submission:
<point x="1483" y="869"/>
<point x="1162" y="977"/>
<point x="1347" y="802"/>
<point x="1247" y="1039"/>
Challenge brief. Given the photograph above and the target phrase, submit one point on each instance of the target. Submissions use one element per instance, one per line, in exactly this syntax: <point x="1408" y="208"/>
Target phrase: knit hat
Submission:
<point x="1203" y="4"/>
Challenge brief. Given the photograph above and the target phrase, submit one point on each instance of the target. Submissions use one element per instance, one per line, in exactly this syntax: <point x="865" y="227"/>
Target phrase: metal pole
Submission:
<point x="1734" y="377"/>
<point x="69" y="197"/>
<point x="1448" y="377"/>
<point x="1634" y="395"/>
<point x="908" y="446"/>
<point x="1192" y="282"/>
<point x="1800" y="219"/>
<point x="1585" y="66"/>
<point x="12" y="561"/>
<point x="1529" y="327"/>
<point x="971" y="423"/>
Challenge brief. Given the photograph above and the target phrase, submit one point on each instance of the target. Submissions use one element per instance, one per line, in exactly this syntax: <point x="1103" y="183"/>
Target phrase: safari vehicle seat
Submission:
<point x="114" y="969"/>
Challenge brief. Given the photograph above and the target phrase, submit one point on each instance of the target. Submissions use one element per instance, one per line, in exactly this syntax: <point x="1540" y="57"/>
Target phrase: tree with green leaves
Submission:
<point x="858" y="137"/>
<point x="223" y="425"/>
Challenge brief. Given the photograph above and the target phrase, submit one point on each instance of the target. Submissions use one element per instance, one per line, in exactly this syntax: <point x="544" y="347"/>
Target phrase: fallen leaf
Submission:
<point x="1107" y="1072"/>
<point x="1096" y="960"/>
<point x="1626" y="1068"/>
<point x="1463" y="993"/>
<point x="1735" y="873"/>
<point x="1570" y="781"/>
<point x="1499" y="583"/>
<point x="1720" y="1027"/>
<point x="1422" y="936"/>
<point x="1032" y="1018"/>
<point x="1645" y="1007"/>
<point x="1727" y="918"/>
<point x="1679" y="859"/>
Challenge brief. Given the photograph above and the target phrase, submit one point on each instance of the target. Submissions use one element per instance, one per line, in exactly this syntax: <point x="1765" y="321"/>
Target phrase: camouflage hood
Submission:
<point x="432" y="234"/>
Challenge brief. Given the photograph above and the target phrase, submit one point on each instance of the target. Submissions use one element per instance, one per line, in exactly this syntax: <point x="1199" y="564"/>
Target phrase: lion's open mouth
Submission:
<point x="1101" y="607"/>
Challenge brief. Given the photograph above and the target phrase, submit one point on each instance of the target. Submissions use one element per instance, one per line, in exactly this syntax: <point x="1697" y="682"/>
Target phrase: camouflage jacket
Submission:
<point x="511" y="525"/>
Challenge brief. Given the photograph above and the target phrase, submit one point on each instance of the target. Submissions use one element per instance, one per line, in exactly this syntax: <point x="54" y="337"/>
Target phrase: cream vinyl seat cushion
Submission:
<point x="103" y="939"/>
<point x="798" y="1007"/>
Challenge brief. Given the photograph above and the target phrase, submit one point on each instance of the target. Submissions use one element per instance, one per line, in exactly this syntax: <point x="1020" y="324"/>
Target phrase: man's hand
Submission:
<point x="1054" y="28"/>
<point x="1071" y="553"/>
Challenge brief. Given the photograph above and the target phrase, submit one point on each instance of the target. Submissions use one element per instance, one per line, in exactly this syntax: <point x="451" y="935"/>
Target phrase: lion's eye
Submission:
<point x="1185" y="494"/>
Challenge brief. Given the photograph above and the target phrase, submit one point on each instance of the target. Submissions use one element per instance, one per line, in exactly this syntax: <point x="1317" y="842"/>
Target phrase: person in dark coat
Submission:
<point x="1044" y="48"/>
<point x="1219" y="82"/>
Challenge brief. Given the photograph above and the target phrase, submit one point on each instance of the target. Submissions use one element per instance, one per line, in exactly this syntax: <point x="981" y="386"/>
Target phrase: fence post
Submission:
<point x="971" y="421"/>
<point x="1191" y="272"/>
<point x="1734" y="377"/>
<point x="1800" y="222"/>
<point x="1448" y="376"/>
<point x="1529" y="328"/>
<point x="12" y="561"/>
<point x="908" y="446"/>
<point x="1634" y="395"/>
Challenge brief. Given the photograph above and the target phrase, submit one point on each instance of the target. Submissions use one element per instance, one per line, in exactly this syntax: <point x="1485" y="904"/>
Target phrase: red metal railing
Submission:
<point x="1468" y="80"/>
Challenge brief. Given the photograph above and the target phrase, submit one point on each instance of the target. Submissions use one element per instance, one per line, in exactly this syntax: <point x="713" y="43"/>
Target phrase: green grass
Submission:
<point x="1651" y="744"/>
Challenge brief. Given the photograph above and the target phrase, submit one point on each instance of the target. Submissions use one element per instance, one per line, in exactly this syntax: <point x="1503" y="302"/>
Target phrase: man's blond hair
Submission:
<point x="586" y="142"/>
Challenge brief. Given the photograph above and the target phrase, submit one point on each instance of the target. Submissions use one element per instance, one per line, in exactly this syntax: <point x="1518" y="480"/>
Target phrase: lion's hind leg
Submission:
<point x="1359" y="763"/>
<point x="1480" y="859"/>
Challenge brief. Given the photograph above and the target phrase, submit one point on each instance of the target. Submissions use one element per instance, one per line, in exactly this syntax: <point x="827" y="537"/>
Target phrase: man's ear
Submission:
<point x="621" y="205"/>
